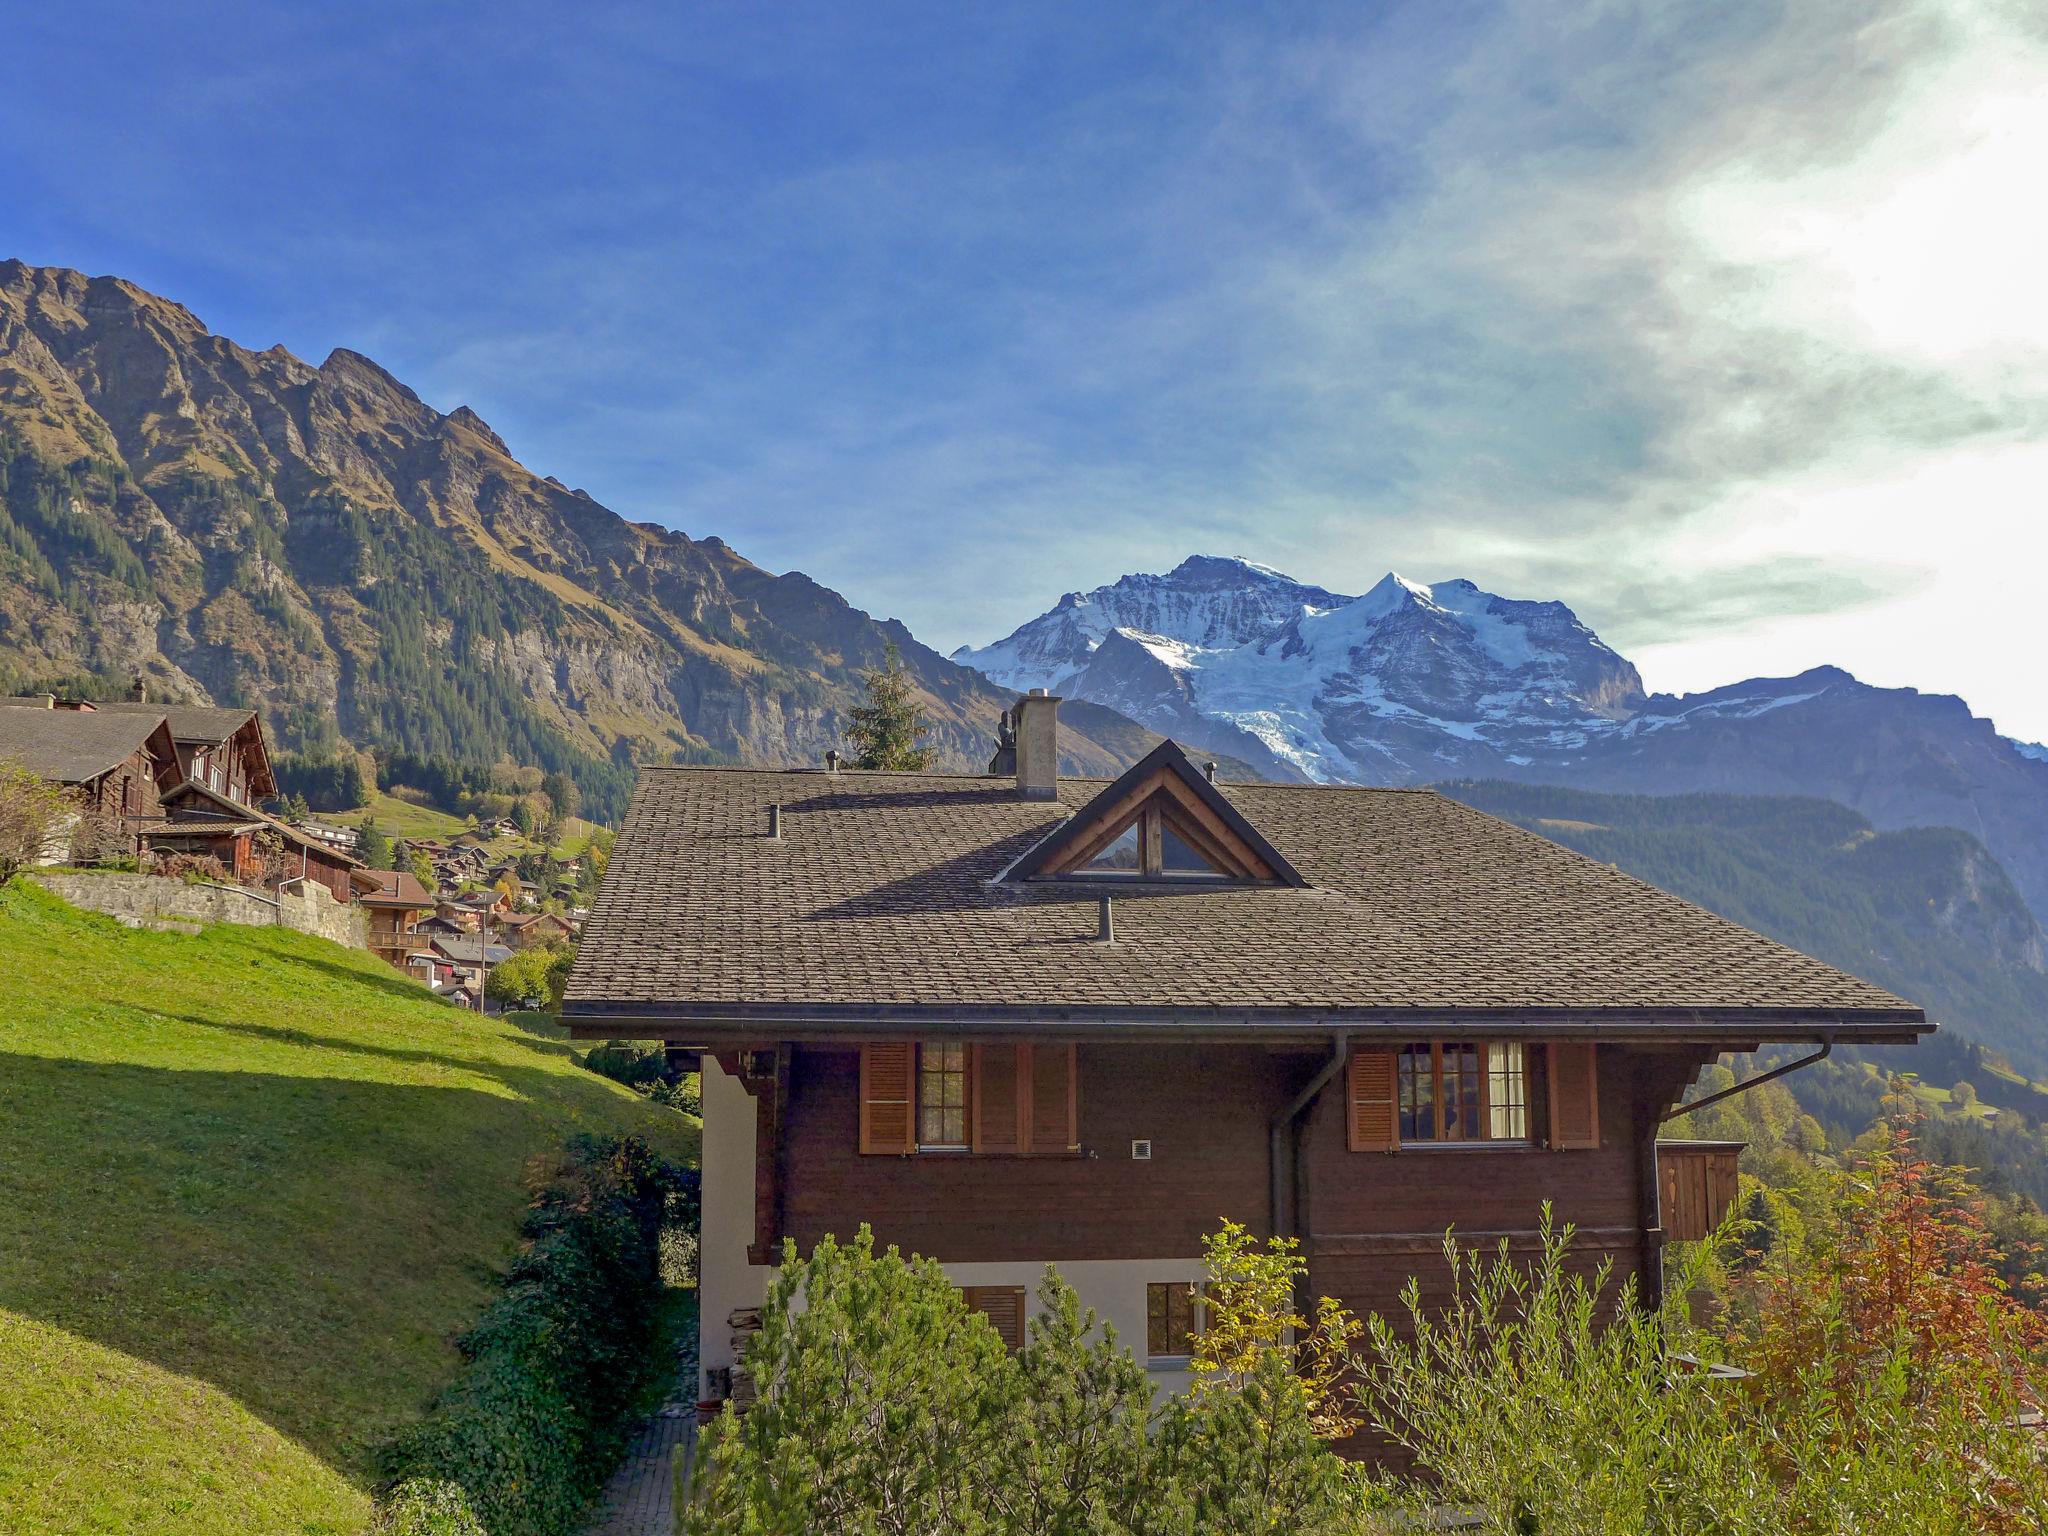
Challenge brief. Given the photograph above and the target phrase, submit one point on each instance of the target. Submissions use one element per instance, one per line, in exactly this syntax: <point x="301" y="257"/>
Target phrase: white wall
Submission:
<point x="1114" y="1288"/>
<point x="725" y="1279"/>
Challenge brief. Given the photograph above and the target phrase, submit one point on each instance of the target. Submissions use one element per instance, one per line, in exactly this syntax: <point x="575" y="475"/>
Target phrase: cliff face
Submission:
<point x="317" y="541"/>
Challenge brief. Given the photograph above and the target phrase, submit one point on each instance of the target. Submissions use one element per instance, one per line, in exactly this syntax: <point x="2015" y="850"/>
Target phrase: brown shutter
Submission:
<point x="888" y="1098"/>
<point x="999" y="1098"/>
<point x="1003" y="1306"/>
<point x="1373" y="1118"/>
<point x="1053" y="1127"/>
<point x="1574" y="1094"/>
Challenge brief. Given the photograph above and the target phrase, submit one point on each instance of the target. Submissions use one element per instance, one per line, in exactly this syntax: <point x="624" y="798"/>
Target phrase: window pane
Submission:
<point x="1178" y="857"/>
<point x="1460" y="1109"/>
<point x="1119" y="858"/>
<point x="1172" y="1319"/>
<point x="1507" y="1091"/>
<point x="942" y="1094"/>
<point x="1418" y="1094"/>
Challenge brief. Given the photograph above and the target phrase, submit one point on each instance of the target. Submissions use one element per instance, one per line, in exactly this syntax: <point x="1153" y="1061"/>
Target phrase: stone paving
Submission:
<point x="640" y="1500"/>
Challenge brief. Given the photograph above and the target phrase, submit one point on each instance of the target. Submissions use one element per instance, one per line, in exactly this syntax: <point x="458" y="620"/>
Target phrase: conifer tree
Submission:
<point x="887" y="730"/>
<point x="372" y="846"/>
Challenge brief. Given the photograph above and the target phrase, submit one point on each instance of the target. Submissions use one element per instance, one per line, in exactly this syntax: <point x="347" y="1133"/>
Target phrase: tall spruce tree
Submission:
<point x="887" y="730"/>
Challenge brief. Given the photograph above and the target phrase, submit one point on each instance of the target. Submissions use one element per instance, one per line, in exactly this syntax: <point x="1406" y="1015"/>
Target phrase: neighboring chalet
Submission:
<point x="220" y="749"/>
<point x="205" y="823"/>
<point x="1015" y="1021"/>
<point x="187" y="784"/>
<point x="523" y="930"/>
<point x="119" y="766"/>
<point x="396" y="903"/>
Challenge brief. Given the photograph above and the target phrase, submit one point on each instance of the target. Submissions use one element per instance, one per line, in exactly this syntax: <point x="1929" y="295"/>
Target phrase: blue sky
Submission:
<point x="1722" y="323"/>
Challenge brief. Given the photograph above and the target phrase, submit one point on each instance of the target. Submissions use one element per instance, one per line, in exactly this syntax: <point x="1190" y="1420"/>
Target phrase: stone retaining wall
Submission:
<point x="151" y="901"/>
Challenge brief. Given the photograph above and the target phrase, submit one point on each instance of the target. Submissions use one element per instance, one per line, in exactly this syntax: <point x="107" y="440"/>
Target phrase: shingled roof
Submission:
<point x="881" y="905"/>
<point x="72" y="747"/>
<point x="207" y="723"/>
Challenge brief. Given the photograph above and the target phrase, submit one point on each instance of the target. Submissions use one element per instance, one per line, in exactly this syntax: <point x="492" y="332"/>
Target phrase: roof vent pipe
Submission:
<point x="832" y="760"/>
<point x="1209" y="771"/>
<point x="1105" y="923"/>
<point x="775" y="822"/>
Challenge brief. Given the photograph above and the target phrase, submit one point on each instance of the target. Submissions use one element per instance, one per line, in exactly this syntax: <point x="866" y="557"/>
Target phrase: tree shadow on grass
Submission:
<point x="309" y="1245"/>
<point x="285" y="1034"/>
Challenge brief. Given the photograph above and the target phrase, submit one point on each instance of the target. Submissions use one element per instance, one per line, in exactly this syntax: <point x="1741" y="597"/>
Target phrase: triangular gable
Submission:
<point x="1164" y="800"/>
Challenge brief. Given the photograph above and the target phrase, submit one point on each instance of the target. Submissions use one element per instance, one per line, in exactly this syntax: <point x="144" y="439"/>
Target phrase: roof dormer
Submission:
<point x="1162" y="821"/>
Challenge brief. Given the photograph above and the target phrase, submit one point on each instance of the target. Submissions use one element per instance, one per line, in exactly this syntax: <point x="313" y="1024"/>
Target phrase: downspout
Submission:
<point x="1340" y="1044"/>
<point x="1652" y="1180"/>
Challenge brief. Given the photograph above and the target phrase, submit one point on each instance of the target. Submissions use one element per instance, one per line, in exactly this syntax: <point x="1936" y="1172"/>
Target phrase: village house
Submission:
<point x="1015" y="1020"/>
<point x="523" y="930"/>
<point x="218" y="748"/>
<point x="248" y="844"/>
<point x="395" y="903"/>
<point x="118" y="766"/>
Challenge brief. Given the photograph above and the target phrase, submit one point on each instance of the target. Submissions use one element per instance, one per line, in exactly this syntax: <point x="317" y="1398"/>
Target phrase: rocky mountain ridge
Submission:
<point x="1414" y="683"/>
<point x="239" y="526"/>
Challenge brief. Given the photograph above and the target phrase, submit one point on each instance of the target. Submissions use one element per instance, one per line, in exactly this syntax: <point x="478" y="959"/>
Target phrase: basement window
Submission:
<point x="1173" y="1316"/>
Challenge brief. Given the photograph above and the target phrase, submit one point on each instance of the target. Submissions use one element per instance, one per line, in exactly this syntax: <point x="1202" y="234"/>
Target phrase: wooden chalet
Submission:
<point x="221" y="749"/>
<point x="395" y="903"/>
<point x="204" y="822"/>
<point x="117" y="766"/>
<point x="1019" y="1020"/>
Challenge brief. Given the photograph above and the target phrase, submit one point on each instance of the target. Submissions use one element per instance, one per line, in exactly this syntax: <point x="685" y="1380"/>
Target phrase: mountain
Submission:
<point x="243" y="527"/>
<point x="1412" y="683"/>
<point x="1924" y="911"/>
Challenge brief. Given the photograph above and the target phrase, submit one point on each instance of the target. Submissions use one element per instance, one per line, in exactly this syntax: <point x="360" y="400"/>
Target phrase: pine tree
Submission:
<point x="887" y="730"/>
<point x="372" y="846"/>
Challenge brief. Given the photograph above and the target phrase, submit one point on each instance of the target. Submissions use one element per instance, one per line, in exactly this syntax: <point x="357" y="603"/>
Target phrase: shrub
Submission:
<point x="529" y="1428"/>
<point x="421" y="1507"/>
<point x="632" y="1062"/>
<point x="886" y="1405"/>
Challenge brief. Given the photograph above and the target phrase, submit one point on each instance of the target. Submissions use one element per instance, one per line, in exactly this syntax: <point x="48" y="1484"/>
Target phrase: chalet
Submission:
<point x="202" y="821"/>
<point x="219" y="749"/>
<point x="395" y="902"/>
<point x="1019" y="1020"/>
<point x="473" y="951"/>
<point x="118" y="765"/>
<point x="524" y="930"/>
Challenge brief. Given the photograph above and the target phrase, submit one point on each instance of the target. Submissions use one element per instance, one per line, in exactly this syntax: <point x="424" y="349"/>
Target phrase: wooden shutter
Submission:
<point x="1003" y="1306"/>
<point x="1053" y="1127"/>
<point x="1574" y="1094"/>
<point x="1373" y="1117"/>
<point x="1000" y="1098"/>
<point x="888" y="1098"/>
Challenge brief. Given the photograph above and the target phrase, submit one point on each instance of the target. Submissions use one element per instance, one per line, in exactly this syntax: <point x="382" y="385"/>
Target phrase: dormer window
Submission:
<point x="1162" y="821"/>
<point x="1152" y="848"/>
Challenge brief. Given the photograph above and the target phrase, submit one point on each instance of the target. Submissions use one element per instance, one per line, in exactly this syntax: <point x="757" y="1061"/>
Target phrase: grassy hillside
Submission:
<point x="251" y="1186"/>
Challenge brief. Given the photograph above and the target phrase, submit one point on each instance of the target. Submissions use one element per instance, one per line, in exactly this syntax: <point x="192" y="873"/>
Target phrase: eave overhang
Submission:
<point x="1731" y="1028"/>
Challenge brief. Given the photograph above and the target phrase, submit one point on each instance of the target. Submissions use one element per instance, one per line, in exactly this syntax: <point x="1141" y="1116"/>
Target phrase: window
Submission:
<point x="942" y="1094"/>
<point x="1177" y="856"/>
<point x="1157" y="845"/>
<point x="1003" y="1306"/>
<point x="989" y="1099"/>
<point x="1172" y="1319"/>
<point x="1121" y="857"/>
<point x="1507" y="1092"/>
<point x="1460" y="1091"/>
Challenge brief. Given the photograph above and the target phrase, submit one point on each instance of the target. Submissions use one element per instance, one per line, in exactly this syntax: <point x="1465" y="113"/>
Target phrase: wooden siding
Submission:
<point x="1699" y="1182"/>
<point x="1204" y="1111"/>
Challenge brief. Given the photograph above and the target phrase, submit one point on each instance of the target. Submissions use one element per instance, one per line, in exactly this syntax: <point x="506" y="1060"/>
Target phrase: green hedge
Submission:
<point x="534" y="1423"/>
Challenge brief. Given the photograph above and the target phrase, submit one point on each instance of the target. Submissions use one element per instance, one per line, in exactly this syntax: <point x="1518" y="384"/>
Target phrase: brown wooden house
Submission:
<point x="201" y="822"/>
<point x="118" y="766"/>
<point x="1019" y="1021"/>
<point x="395" y="902"/>
<point x="218" y="748"/>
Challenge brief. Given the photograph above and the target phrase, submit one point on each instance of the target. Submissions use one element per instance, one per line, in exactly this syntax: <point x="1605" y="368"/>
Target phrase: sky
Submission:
<point x="1724" y="324"/>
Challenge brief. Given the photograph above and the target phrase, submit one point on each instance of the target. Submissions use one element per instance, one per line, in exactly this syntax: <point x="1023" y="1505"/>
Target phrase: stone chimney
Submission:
<point x="1037" y="717"/>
